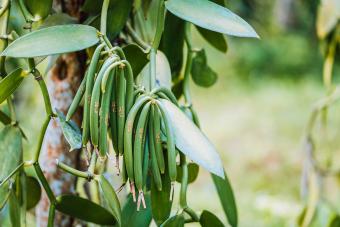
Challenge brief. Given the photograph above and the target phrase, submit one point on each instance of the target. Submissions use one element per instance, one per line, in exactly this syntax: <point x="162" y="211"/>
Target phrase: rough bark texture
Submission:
<point x="63" y="80"/>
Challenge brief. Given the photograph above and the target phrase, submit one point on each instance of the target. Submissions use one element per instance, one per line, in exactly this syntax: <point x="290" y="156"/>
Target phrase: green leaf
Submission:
<point x="209" y="15"/>
<point x="14" y="209"/>
<point x="193" y="170"/>
<point x="33" y="192"/>
<point x="10" y="83"/>
<point x="136" y="57"/>
<point x="53" y="40"/>
<point x="227" y="199"/>
<point x="58" y="19"/>
<point x="4" y="118"/>
<point x="214" y="38"/>
<point x="39" y="8"/>
<point x="201" y="73"/>
<point x="172" y="43"/>
<point x="4" y="194"/>
<point x="71" y="132"/>
<point x="111" y="198"/>
<point x="328" y="17"/>
<point x="84" y="209"/>
<point x="209" y="219"/>
<point x="335" y="222"/>
<point x="192" y="142"/>
<point x="174" y="221"/>
<point x="160" y="200"/>
<point x="163" y="72"/>
<point x="133" y="218"/>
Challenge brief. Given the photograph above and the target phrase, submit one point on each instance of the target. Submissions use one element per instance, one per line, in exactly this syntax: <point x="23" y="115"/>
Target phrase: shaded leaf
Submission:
<point x="209" y="15"/>
<point x="193" y="170"/>
<point x="208" y="219"/>
<point x="335" y="222"/>
<point x="226" y="195"/>
<point x="84" y="209"/>
<point x="174" y="221"/>
<point x="133" y="218"/>
<point x="172" y="43"/>
<point x="58" y="19"/>
<point x="201" y="73"/>
<point x="192" y="142"/>
<point x="71" y="132"/>
<point x="4" y="195"/>
<point x="33" y="192"/>
<point x="160" y="200"/>
<point x="53" y="40"/>
<point x="216" y="39"/>
<point x="4" y="118"/>
<point x="136" y="57"/>
<point x="39" y="8"/>
<point x="10" y="83"/>
<point x="111" y="198"/>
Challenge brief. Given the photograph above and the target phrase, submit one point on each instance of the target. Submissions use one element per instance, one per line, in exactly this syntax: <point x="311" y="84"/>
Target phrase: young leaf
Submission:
<point x="227" y="199"/>
<point x="209" y="219"/>
<point x="192" y="142"/>
<point x="53" y="40"/>
<point x="160" y="200"/>
<point x="174" y="221"/>
<point x="111" y="198"/>
<point x="133" y="218"/>
<point x="209" y="15"/>
<point x="70" y="131"/>
<point x="10" y="83"/>
<point x="201" y="73"/>
<point x="136" y="57"/>
<point x="193" y="170"/>
<point x="216" y="39"/>
<point x="33" y="192"/>
<point x="84" y="209"/>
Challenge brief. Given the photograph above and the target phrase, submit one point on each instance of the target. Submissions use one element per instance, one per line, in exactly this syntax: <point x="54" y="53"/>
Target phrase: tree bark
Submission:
<point x="63" y="80"/>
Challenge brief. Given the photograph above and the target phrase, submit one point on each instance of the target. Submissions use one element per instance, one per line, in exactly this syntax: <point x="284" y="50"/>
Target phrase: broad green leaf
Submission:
<point x="208" y="219"/>
<point x="192" y="142"/>
<point x="14" y="209"/>
<point x="84" y="209"/>
<point x="133" y="218"/>
<point x="163" y="72"/>
<point x="226" y="195"/>
<point x="53" y="40"/>
<point x="327" y="18"/>
<point x="209" y="15"/>
<point x="172" y="43"/>
<point x="160" y="200"/>
<point x="39" y="8"/>
<point x="10" y="83"/>
<point x="216" y="39"/>
<point x="58" y="19"/>
<point x="71" y="132"/>
<point x="201" y="73"/>
<point x="193" y="170"/>
<point x="174" y="221"/>
<point x="111" y="198"/>
<point x="10" y="150"/>
<point x="4" y="195"/>
<point x="4" y="217"/>
<point x="136" y="57"/>
<point x="33" y="192"/>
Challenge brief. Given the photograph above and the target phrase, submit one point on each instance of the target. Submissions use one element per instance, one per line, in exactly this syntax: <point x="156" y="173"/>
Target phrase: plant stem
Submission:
<point x="41" y="138"/>
<point x="73" y="171"/>
<point x="51" y="214"/>
<point x="186" y="88"/>
<point x="136" y="38"/>
<point x="184" y="183"/>
<point x="192" y="214"/>
<point x="93" y="163"/>
<point x="103" y="17"/>
<point x="44" y="182"/>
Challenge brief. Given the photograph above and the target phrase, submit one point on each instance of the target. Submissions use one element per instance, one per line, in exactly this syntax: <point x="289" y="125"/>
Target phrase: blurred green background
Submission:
<point x="255" y="114"/>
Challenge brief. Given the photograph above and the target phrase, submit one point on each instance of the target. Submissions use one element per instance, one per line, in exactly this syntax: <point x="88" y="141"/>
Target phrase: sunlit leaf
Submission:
<point x="163" y="72"/>
<point x="111" y="198"/>
<point x="192" y="142"/>
<point x="226" y="195"/>
<point x="193" y="170"/>
<point x="201" y="73"/>
<point x="208" y="219"/>
<point x="84" y="209"/>
<point x="209" y="15"/>
<point x="327" y="17"/>
<point x="133" y="218"/>
<point x="71" y="132"/>
<point x="53" y="40"/>
<point x="10" y="83"/>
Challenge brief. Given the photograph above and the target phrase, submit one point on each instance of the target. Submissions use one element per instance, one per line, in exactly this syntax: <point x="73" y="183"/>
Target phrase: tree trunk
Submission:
<point x="63" y="80"/>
